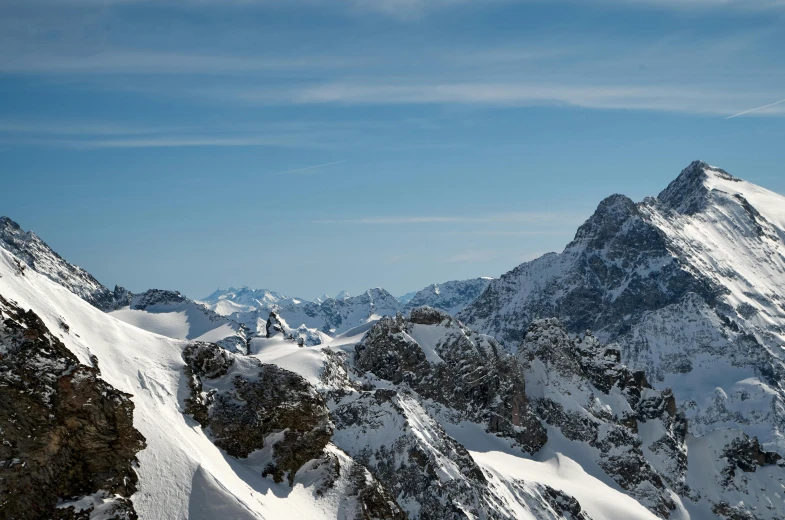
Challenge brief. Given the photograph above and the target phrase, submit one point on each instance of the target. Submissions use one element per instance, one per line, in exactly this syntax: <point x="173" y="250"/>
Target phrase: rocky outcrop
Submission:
<point x="745" y="454"/>
<point x="156" y="297"/>
<point x="429" y="473"/>
<point x="468" y="372"/>
<point x="580" y="387"/>
<point x="302" y="335"/>
<point x="264" y="405"/>
<point x="67" y="435"/>
<point x="249" y="408"/>
<point x="402" y="436"/>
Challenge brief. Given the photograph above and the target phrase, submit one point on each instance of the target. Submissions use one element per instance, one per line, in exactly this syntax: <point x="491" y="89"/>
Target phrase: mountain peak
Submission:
<point x="6" y="222"/>
<point x="38" y="256"/>
<point x="687" y="193"/>
<point x="607" y="219"/>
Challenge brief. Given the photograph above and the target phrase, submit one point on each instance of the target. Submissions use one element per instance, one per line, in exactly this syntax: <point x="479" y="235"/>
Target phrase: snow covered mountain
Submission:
<point x="672" y="409"/>
<point x="334" y="316"/>
<point x="229" y="301"/>
<point x="451" y="297"/>
<point x="284" y="432"/>
<point x="329" y="316"/>
<point x="164" y="312"/>
<point x="171" y="314"/>
<point x="689" y="284"/>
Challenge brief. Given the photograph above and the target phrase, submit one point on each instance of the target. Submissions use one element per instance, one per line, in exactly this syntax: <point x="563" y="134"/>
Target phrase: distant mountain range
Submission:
<point x="638" y="374"/>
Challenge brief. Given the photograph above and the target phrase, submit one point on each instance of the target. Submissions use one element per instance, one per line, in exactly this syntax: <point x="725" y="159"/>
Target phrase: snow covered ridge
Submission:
<point x="164" y="312"/>
<point x="690" y="285"/>
<point x="334" y="316"/>
<point x="36" y="255"/>
<point x="171" y="314"/>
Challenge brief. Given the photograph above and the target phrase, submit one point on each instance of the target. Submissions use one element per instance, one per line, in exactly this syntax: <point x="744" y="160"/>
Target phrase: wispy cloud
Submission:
<point x="126" y="62"/>
<point x="309" y="168"/>
<point x="756" y="109"/>
<point x="521" y="217"/>
<point x="87" y="135"/>
<point x="161" y="142"/>
<point x="691" y="99"/>
<point x="82" y="128"/>
<point x="569" y="229"/>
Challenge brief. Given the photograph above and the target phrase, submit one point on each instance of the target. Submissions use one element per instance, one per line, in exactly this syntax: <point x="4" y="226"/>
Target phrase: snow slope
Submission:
<point x="600" y="501"/>
<point x="181" y="473"/>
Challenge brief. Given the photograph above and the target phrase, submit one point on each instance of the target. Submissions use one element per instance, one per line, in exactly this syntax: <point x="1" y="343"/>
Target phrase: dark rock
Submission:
<point x="476" y="376"/>
<point x="241" y="418"/>
<point x="66" y="433"/>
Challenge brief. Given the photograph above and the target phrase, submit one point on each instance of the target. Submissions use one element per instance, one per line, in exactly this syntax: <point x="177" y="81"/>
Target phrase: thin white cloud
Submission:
<point x="569" y="229"/>
<point x="127" y="62"/>
<point x="81" y="128"/>
<point x="162" y="142"/>
<point x="496" y="218"/>
<point x="692" y="99"/>
<point x="756" y="109"/>
<point x="308" y="168"/>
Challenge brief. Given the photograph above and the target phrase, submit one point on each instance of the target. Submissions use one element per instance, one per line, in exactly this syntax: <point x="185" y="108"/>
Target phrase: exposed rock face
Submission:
<point x="745" y="454"/>
<point x="302" y="335"/>
<point x="469" y="372"/>
<point x="401" y="435"/>
<point x="639" y="436"/>
<point x="264" y="400"/>
<point x="618" y="266"/>
<point x="38" y="256"/>
<point x="66" y="434"/>
<point x="391" y="399"/>
<point x="156" y="297"/>
<point x="579" y="386"/>
<point x="434" y="478"/>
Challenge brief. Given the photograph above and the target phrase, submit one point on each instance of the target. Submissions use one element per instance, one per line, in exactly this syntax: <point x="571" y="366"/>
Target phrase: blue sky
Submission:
<point x="310" y="146"/>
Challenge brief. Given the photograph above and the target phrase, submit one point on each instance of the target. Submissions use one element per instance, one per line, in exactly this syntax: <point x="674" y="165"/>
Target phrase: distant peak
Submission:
<point x="617" y="204"/>
<point x="607" y="219"/>
<point x="7" y="222"/>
